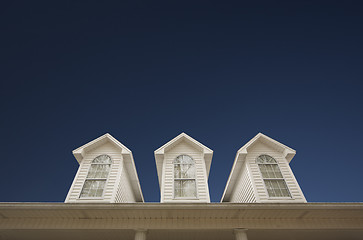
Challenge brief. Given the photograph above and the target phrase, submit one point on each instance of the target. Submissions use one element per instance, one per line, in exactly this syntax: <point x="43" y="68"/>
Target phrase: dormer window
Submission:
<point x="272" y="177"/>
<point x="184" y="177"/>
<point x="95" y="182"/>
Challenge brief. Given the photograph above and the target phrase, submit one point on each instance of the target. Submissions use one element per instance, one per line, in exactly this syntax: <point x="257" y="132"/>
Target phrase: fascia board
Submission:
<point x="100" y="215"/>
<point x="208" y="161"/>
<point x="179" y="137"/>
<point x="78" y="154"/>
<point x="159" y="158"/>
<point x="289" y="155"/>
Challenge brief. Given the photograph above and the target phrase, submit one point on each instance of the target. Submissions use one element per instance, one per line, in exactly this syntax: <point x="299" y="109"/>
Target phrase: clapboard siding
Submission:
<point x="243" y="192"/>
<point x="184" y="148"/>
<point x="261" y="148"/>
<point x="124" y="192"/>
<point x="115" y="154"/>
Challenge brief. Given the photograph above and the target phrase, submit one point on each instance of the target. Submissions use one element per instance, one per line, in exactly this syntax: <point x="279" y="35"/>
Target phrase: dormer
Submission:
<point x="261" y="173"/>
<point x="106" y="174"/>
<point x="183" y="166"/>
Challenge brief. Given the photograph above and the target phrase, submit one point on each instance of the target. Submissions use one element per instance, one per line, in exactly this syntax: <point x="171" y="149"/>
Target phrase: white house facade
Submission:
<point x="262" y="199"/>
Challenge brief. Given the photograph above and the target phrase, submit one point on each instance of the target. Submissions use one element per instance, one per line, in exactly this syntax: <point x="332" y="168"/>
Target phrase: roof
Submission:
<point x="159" y="153"/>
<point x="129" y="162"/>
<point x="288" y="152"/>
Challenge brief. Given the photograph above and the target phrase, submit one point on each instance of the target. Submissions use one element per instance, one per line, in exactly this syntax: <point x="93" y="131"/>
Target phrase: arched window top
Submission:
<point x="183" y="159"/>
<point x="265" y="159"/>
<point x="95" y="182"/>
<point x="102" y="159"/>
<point x="274" y="181"/>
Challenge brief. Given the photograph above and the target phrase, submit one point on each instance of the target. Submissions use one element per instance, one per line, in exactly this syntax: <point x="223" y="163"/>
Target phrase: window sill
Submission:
<point x="186" y="198"/>
<point x="280" y="198"/>
<point x="91" y="198"/>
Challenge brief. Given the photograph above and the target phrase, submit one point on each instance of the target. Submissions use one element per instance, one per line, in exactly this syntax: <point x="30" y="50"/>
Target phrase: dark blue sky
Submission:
<point x="145" y="71"/>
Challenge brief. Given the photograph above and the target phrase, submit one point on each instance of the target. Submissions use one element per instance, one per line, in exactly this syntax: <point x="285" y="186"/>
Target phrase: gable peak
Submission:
<point x="182" y="137"/>
<point x="106" y="138"/>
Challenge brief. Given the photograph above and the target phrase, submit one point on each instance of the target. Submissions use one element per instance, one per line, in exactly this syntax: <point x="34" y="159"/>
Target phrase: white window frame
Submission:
<point x="181" y="179"/>
<point x="97" y="179"/>
<point x="281" y="179"/>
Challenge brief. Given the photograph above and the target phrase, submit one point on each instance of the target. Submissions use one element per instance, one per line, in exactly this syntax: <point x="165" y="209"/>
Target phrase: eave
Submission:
<point x="181" y="216"/>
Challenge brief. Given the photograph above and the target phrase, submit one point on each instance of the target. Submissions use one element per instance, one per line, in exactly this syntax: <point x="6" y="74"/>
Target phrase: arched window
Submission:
<point x="96" y="177"/>
<point x="184" y="177"/>
<point x="272" y="176"/>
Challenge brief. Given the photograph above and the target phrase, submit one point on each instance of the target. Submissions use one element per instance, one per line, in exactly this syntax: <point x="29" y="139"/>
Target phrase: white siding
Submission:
<point x="262" y="195"/>
<point x="243" y="191"/>
<point x="124" y="191"/>
<point x="168" y="178"/>
<point x="115" y="154"/>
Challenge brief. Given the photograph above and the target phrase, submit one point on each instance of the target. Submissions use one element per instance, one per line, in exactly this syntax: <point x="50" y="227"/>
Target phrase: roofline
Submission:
<point x="183" y="134"/>
<point x="259" y="135"/>
<point x="78" y="152"/>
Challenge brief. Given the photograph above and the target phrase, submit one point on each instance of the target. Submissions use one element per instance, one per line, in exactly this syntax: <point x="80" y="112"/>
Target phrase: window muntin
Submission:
<point x="184" y="177"/>
<point x="272" y="177"/>
<point x="95" y="182"/>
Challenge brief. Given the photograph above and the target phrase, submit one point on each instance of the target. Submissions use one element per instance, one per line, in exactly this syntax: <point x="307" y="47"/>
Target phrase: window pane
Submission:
<point x="184" y="159"/>
<point x="187" y="160"/>
<point x="263" y="170"/>
<point x="102" y="159"/>
<point x="177" y="171"/>
<point x="265" y="159"/>
<point x="93" y="188"/>
<point x="189" y="188"/>
<point x="270" y="171"/>
<point x="86" y="188"/>
<point x="276" y="170"/>
<point x="277" y="188"/>
<point x="105" y="170"/>
<point x="185" y="188"/>
<point x="184" y="167"/>
<point x="177" y="188"/>
<point x="98" y="171"/>
<point x="188" y="171"/>
<point x="92" y="171"/>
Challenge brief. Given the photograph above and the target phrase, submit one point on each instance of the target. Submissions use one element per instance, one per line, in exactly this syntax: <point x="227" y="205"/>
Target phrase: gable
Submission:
<point x="206" y="152"/>
<point x="106" y="138"/>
